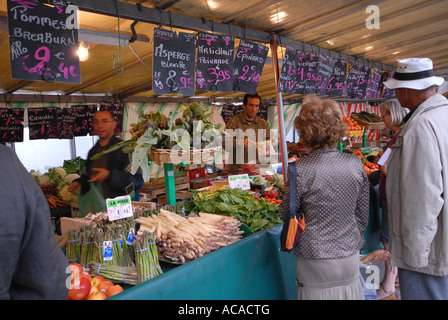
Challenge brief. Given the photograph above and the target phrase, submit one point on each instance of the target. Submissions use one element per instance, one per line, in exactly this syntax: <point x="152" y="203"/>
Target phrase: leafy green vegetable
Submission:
<point x="258" y="214"/>
<point x="155" y="130"/>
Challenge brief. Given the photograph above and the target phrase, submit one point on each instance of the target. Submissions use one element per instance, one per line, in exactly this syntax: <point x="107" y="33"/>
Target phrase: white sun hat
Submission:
<point x="414" y="73"/>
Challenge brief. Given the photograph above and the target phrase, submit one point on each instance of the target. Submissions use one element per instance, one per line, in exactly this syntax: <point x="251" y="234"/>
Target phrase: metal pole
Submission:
<point x="281" y="120"/>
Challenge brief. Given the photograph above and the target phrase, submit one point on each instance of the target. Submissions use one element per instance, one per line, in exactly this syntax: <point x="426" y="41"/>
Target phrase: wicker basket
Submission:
<point x="160" y="156"/>
<point x="370" y="125"/>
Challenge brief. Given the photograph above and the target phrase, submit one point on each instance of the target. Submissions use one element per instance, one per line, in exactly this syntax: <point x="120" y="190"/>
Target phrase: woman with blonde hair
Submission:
<point x="333" y="195"/>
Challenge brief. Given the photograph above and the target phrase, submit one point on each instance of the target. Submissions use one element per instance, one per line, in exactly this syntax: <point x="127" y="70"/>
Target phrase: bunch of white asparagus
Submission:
<point x="180" y="238"/>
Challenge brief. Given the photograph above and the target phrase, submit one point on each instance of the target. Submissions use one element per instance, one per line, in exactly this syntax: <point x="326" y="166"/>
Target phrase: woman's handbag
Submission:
<point x="293" y="228"/>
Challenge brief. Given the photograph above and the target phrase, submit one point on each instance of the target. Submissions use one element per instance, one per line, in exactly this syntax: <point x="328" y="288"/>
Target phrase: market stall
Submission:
<point x="170" y="68"/>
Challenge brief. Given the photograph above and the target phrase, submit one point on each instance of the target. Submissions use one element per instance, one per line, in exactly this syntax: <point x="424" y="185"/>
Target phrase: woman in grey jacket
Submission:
<point x="417" y="184"/>
<point x="333" y="194"/>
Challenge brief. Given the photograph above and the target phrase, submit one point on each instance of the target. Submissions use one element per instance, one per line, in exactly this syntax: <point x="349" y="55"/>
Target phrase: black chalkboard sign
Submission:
<point x="324" y="74"/>
<point x="230" y="110"/>
<point x="174" y="62"/>
<point x="66" y="123"/>
<point x="84" y="116"/>
<point x="248" y="66"/>
<point x="309" y="63"/>
<point x="386" y="93"/>
<point x="117" y="111"/>
<point x="43" y="123"/>
<point x="215" y="62"/>
<point x="373" y="90"/>
<point x="357" y="81"/>
<point x="41" y="46"/>
<point x="336" y="85"/>
<point x="11" y="127"/>
<point x="288" y="81"/>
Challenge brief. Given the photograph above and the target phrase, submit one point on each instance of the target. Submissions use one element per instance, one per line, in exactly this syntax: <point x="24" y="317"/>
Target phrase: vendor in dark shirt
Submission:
<point x="112" y="170"/>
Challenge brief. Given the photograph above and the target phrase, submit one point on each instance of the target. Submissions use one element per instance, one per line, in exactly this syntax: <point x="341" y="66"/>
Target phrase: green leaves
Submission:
<point x="257" y="214"/>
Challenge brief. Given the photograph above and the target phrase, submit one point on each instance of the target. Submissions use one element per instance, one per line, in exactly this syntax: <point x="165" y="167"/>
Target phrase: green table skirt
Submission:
<point x="253" y="268"/>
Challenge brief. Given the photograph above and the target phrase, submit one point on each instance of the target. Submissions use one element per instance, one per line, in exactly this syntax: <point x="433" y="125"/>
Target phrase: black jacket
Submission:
<point x="119" y="167"/>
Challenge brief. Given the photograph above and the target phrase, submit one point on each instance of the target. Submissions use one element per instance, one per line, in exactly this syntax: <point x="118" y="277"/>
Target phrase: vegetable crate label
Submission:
<point x="119" y="208"/>
<point x="239" y="181"/>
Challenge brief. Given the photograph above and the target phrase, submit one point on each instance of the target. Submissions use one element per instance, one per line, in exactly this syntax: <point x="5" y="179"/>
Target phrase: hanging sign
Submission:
<point x="289" y="77"/>
<point x="357" y="81"/>
<point x="174" y="62"/>
<point x="373" y="90"/>
<point x="215" y="62"/>
<point x="386" y="93"/>
<point x="336" y="85"/>
<point x="43" y="123"/>
<point x="324" y="73"/>
<point x="117" y="111"/>
<point x="42" y="48"/>
<point x="11" y="127"/>
<point x="84" y="116"/>
<point x="66" y="123"/>
<point x="248" y="66"/>
<point x="309" y="63"/>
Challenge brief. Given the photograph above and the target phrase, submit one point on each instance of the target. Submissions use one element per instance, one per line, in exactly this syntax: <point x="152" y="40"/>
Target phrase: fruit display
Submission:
<point x="352" y="124"/>
<point x="369" y="167"/>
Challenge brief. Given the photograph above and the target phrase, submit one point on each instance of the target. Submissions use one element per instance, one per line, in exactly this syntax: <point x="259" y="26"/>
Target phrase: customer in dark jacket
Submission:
<point x="111" y="170"/>
<point x="32" y="266"/>
<point x="333" y="195"/>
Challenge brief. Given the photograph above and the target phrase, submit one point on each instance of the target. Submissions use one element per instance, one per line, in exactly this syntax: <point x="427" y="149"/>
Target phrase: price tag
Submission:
<point x="239" y="181"/>
<point x="131" y="237"/>
<point x="107" y="251"/>
<point x="119" y="208"/>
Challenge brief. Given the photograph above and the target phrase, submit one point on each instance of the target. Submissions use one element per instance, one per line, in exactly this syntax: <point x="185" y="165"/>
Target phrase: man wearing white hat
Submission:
<point x="417" y="183"/>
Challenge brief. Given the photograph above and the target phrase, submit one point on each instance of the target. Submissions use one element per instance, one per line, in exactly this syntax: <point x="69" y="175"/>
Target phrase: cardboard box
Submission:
<point x="69" y="224"/>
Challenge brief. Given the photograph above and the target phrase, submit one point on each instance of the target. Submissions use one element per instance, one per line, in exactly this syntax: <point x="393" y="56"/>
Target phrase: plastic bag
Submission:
<point x="92" y="201"/>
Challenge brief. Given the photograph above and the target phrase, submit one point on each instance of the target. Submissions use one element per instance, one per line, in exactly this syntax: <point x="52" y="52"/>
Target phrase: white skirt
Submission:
<point x="328" y="279"/>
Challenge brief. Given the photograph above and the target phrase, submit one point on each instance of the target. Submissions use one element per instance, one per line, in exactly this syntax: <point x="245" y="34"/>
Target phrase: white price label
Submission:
<point x="239" y="181"/>
<point x="119" y="208"/>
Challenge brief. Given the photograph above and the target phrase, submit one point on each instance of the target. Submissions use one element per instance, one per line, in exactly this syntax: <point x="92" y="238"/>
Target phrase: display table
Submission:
<point x="251" y="269"/>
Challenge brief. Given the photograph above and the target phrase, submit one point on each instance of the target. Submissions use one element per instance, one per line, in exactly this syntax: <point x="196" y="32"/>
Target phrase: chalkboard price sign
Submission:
<point x="373" y="90"/>
<point x="336" y="84"/>
<point x="215" y="62"/>
<point x="288" y="82"/>
<point x="174" y="62"/>
<point x="43" y="123"/>
<point x="357" y="81"/>
<point x="11" y="127"/>
<point x="66" y="123"/>
<point x="308" y="71"/>
<point x="117" y="111"/>
<point x="41" y="46"/>
<point x="324" y="74"/>
<point x="84" y="116"/>
<point x="248" y="65"/>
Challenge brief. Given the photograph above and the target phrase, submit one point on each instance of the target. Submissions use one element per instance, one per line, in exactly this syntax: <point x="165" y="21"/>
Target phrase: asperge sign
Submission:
<point x="119" y="208"/>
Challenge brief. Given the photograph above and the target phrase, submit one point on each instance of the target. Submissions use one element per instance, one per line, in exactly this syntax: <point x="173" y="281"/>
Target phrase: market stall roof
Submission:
<point x="338" y="28"/>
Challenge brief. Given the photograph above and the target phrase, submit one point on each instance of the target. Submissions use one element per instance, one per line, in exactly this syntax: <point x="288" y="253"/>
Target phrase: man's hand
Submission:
<point x="73" y="187"/>
<point x="99" y="175"/>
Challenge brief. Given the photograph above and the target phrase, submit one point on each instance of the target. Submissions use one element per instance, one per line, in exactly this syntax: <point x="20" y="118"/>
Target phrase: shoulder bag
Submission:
<point x="293" y="227"/>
